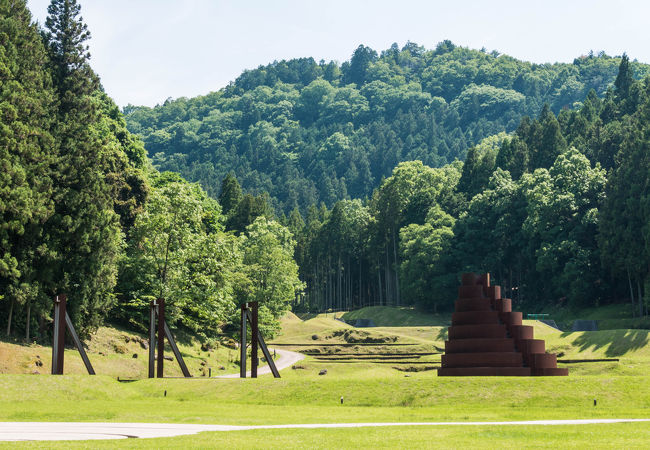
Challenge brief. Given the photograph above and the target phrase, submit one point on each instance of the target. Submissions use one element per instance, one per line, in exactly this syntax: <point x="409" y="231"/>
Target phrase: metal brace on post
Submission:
<point x="250" y="311"/>
<point x="242" y="342"/>
<point x="158" y="330"/>
<point x="254" y="339"/>
<point x="61" y="321"/>
<point x="161" y="338"/>
<point x="152" y="337"/>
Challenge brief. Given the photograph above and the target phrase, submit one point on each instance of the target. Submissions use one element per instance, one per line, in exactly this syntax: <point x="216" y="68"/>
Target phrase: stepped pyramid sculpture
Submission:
<point x="486" y="337"/>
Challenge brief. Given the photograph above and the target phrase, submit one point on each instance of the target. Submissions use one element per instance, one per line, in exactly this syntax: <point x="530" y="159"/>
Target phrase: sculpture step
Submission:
<point x="475" y="318"/>
<point x="503" y="305"/>
<point x="493" y="292"/>
<point x="511" y="318"/>
<point x="480" y="345"/>
<point x="473" y="304"/>
<point x="542" y="360"/>
<point x="484" y="372"/>
<point x="530" y="346"/>
<point x="502" y="359"/>
<point x="556" y="372"/>
<point x="477" y="331"/>
<point x="519" y="332"/>
<point x="473" y="291"/>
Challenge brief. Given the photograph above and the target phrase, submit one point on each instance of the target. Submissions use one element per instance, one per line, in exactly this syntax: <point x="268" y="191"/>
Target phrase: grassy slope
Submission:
<point x="372" y="392"/>
<point x="384" y="316"/>
<point x="111" y="354"/>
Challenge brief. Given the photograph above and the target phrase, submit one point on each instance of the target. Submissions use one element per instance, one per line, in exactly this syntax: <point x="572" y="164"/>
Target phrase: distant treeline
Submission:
<point x="307" y="132"/>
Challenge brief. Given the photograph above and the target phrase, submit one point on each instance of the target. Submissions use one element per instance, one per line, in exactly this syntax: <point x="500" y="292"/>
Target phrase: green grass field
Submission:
<point x="374" y="390"/>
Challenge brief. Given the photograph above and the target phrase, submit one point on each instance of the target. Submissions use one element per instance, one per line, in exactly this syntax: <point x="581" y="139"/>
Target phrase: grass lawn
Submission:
<point x="627" y="435"/>
<point x="372" y="392"/>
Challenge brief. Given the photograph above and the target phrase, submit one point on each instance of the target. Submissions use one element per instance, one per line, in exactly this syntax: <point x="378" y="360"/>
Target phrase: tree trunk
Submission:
<point x="629" y="282"/>
<point x="29" y="312"/>
<point x="639" y="297"/>
<point x="360" y="298"/>
<point x="387" y="279"/>
<point x="11" y="312"/>
<point x="397" y="296"/>
<point x="379" y="289"/>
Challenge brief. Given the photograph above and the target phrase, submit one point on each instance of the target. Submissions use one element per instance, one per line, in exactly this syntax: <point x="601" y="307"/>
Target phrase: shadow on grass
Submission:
<point x="306" y="316"/>
<point x="443" y="334"/>
<point x="618" y="342"/>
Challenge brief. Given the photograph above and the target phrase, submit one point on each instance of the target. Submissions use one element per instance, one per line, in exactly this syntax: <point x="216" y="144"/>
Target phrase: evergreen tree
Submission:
<point x="624" y="79"/>
<point x="84" y="230"/>
<point x="230" y="194"/>
<point x="25" y="179"/>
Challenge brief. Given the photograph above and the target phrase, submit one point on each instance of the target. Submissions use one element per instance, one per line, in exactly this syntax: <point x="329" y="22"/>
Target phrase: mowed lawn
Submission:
<point x="371" y="392"/>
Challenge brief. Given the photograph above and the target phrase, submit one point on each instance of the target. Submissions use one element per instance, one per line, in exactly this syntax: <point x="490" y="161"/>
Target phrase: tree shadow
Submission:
<point x="618" y="342"/>
<point x="443" y="334"/>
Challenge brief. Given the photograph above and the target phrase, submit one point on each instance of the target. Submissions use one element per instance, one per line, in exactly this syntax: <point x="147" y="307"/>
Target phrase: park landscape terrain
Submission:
<point x="378" y="380"/>
<point x="347" y="199"/>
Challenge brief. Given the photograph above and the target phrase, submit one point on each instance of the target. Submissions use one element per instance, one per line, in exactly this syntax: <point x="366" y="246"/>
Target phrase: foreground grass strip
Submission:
<point x="54" y="431"/>
<point x="620" y="435"/>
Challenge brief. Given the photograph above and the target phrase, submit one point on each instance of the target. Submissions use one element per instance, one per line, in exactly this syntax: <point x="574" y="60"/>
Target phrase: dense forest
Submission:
<point x="307" y="132"/>
<point x="558" y="212"/>
<point x="362" y="161"/>
<point x="82" y="211"/>
<point x="316" y="186"/>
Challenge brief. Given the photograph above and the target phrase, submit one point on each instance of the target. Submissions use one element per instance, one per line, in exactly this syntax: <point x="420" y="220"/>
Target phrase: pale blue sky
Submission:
<point x="148" y="50"/>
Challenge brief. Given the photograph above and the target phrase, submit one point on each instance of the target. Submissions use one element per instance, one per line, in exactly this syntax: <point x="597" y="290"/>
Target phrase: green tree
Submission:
<point x="84" y="232"/>
<point x="26" y="182"/>
<point x="178" y="251"/>
<point x="230" y="194"/>
<point x="271" y="273"/>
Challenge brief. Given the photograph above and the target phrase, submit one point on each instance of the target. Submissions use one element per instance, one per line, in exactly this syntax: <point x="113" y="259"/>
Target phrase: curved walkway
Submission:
<point x="57" y="431"/>
<point x="286" y="359"/>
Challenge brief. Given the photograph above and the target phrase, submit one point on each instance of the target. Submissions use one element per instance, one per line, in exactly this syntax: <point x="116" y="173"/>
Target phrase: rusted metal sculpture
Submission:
<point x="158" y="330"/>
<point x="249" y="315"/>
<point x="61" y="322"/>
<point x="487" y="338"/>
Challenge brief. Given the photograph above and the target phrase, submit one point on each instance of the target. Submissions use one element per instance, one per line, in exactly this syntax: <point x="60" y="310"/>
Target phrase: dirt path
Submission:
<point x="286" y="359"/>
<point x="58" y="431"/>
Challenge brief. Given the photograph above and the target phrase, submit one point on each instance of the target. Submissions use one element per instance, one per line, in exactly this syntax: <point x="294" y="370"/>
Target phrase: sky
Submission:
<point x="146" y="51"/>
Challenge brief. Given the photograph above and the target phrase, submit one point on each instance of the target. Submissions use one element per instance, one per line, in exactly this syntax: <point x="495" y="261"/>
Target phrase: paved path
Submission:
<point x="57" y="431"/>
<point x="285" y="360"/>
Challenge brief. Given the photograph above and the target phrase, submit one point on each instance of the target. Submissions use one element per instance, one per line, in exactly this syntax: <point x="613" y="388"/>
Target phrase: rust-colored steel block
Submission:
<point x="477" y="331"/>
<point x="519" y="332"/>
<point x="473" y="304"/>
<point x="493" y="292"/>
<point x="553" y="372"/>
<point x="503" y="305"/>
<point x="484" y="279"/>
<point x="501" y="359"/>
<point x="511" y="318"/>
<point x="474" y="317"/>
<point x="468" y="279"/>
<point x="530" y="346"/>
<point x="484" y="372"/>
<point x="480" y="345"/>
<point x="542" y="360"/>
<point x="473" y="291"/>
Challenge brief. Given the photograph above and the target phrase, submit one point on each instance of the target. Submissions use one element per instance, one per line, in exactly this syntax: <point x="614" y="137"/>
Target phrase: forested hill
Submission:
<point x="308" y="132"/>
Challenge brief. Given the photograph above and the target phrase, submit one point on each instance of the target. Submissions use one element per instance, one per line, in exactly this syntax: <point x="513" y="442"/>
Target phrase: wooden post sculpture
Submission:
<point x="158" y="330"/>
<point x="61" y="322"/>
<point x="488" y="339"/>
<point x="249" y="314"/>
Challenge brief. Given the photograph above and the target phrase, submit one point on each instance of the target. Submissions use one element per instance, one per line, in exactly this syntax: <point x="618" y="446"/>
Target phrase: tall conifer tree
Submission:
<point x="84" y="229"/>
<point x="25" y="184"/>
